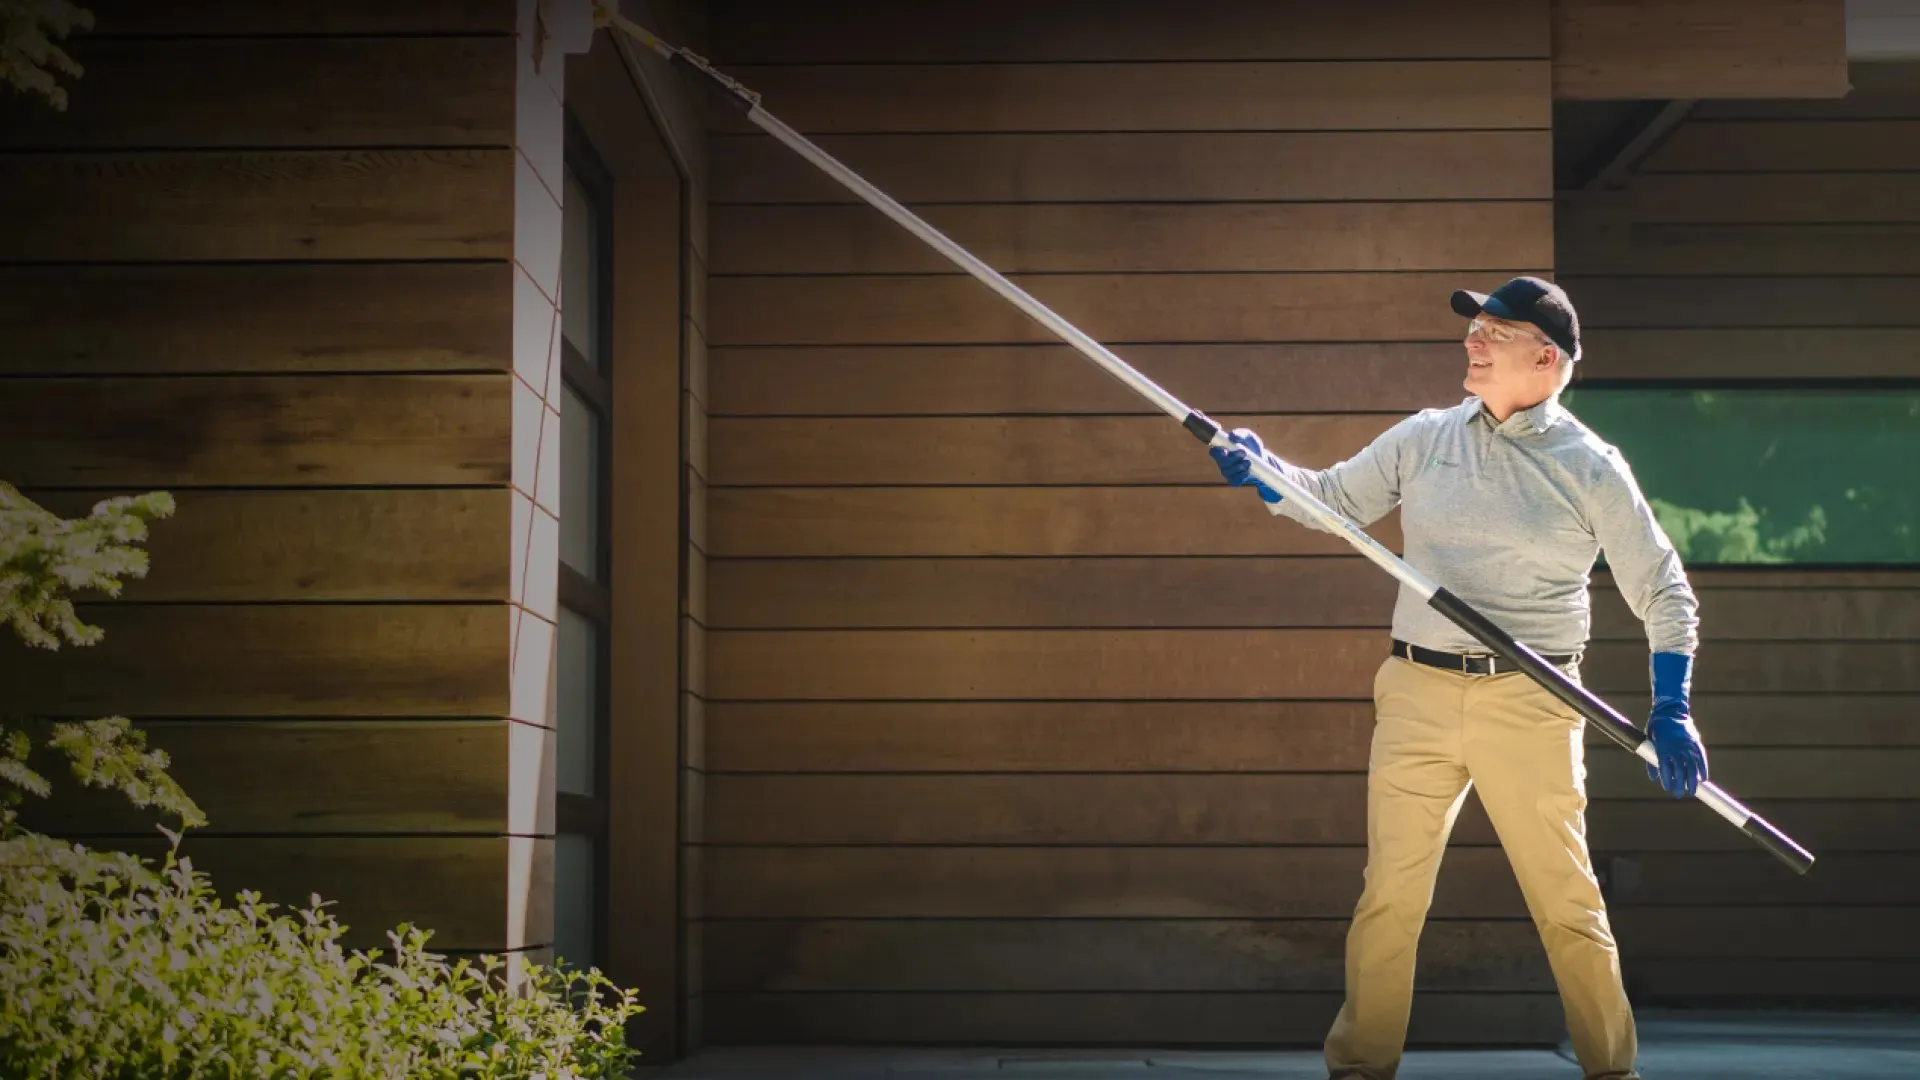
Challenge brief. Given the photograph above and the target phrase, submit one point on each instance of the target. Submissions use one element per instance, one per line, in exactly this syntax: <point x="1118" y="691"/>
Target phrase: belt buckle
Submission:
<point x="1493" y="663"/>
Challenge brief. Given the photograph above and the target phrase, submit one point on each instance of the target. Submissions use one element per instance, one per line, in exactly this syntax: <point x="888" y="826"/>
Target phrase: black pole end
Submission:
<point x="1201" y="427"/>
<point x="1780" y="844"/>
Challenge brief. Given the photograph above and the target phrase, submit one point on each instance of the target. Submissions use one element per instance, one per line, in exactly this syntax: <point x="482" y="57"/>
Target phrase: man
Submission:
<point x="1506" y="500"/>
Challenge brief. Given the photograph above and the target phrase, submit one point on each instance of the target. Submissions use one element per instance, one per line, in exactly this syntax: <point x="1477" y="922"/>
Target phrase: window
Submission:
<point x="1814" y="475"/>
<point x="580" y="676"/>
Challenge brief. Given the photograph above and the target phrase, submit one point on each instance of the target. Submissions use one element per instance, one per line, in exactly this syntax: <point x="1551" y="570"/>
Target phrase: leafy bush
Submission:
<point x="114" y="967"/>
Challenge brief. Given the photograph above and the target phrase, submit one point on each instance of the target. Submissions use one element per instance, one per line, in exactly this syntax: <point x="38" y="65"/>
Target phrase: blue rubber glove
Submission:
<point x="1683" y="761"/>
<point x="1235" y="466"/>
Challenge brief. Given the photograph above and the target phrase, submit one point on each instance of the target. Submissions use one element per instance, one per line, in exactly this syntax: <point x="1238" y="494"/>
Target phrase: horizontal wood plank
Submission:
<point x="1762" y="613"/>
<point x="1599" y="236"/>
<point x="1124" y="1021"/>
<point x="1822" y="826"/>
<point x="417" y="544"/>
<point x="1789" y="146"/>
<point x="1756" y="878"/>
<point x="948" y="31"/>
<point x="1843" y="248"/>
<point x="1048" y="664"/>
<point x="1218" y="592"/>
<point x="1081" y="882"/>
<point x="1236" y="882"/>
<point x="1060" y="593"/>
<point x="1842" y="718"/>
<point x="105" y="320"/>
<point x="1608" y="51"/>
<point x="1091" y="736"/>
<point x="1009" y="521"/>
<point x="267" y="660"/>
<point x="1221" y="955"/>
<point x="1863" y="932"/>
<point x="1205" y="736"/>
<point x="259" y="430"/>
<point x="1823" y="198"/>
<point x="1750" y="982"/>
<point x="1731" y="302"/>
<point x="1213" y="664"/>
<point x="1121" y="955"/>
<point x="293" y="776"/>
<point x="1683" y="354"/>
<point x="1013" y="451"/>
<point x="240" y="18"/>
<point x="343" y="204"/>
<point x="1056" y="379"/>
<point x="1144" y="167"/>
<point x="1162" y="308"/>
<point x="1051" y="809"/>
<point x="1287" y="96"/>
<point x="399" y="91"/>
<point x="1145" y="237"/>
<point x="457" y="887"/>
<point x="1795" y="772"/>
<point x="1176" y="809"/>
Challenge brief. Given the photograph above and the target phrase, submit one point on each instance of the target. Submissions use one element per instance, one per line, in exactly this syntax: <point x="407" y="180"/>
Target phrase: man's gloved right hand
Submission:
<point x="1237" y="469"/>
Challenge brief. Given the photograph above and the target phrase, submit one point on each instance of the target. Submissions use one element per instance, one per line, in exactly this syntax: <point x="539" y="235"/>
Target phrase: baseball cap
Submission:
<point x="1530" y="300"/>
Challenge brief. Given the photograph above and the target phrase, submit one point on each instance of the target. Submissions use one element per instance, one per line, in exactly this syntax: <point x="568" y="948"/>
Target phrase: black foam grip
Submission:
<point x="1201" y="427"/>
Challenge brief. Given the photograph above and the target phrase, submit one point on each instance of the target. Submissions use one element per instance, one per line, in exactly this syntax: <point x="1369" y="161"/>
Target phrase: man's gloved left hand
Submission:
<point x="1683" y="761"/>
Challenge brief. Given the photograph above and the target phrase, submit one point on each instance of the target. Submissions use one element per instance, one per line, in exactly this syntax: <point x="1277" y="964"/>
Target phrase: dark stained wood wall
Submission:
<point x="1020" y="725"/>
<point x="1766" y="241"/>
<point x="265" y="261"/>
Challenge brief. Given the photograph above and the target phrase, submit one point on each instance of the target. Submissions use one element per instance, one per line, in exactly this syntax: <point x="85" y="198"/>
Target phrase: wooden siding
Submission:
<point x="1790" y="223"/>
<point x="970" y="608"/>
<point x="1609" y="50"/>
<point x="290" y="306"/>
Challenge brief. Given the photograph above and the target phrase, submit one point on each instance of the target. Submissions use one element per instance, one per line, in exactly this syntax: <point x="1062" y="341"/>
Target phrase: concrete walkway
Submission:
<point x="1673" y="1046"/>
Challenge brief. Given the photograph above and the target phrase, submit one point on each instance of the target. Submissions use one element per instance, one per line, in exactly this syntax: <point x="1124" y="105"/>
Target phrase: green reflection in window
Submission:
<point x="1801" y="476"/>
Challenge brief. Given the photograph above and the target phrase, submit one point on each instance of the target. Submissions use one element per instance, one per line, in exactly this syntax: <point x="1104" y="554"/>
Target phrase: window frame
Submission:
<point x="591" y="598"/>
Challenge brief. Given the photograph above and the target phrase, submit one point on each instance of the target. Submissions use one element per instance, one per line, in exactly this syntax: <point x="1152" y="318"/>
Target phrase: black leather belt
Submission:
<point x="1471" y="665"/>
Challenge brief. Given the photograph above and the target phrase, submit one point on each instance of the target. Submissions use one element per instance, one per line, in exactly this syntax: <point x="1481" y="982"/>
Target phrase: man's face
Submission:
<point x="1502" y="356"/>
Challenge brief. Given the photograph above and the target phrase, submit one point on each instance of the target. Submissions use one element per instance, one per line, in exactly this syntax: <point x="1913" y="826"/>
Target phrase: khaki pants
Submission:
<point x="1437" y="733"/>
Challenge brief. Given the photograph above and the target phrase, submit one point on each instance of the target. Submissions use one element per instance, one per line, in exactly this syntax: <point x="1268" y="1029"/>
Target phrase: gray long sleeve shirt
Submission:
<point x="1510" y="517"/>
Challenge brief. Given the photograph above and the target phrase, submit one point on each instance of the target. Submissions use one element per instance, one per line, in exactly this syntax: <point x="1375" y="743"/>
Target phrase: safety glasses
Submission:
<point x="1500" y="333"/>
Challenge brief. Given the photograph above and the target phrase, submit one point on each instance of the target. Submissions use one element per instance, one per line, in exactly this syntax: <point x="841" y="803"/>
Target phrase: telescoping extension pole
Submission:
<point x="1207" y="431"/>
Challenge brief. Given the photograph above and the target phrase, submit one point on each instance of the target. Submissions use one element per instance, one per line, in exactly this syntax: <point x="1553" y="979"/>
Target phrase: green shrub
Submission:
<point x="115" y="967"/>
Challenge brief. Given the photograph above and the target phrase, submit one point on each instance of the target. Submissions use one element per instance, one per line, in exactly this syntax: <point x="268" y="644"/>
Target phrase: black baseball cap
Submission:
<point x="1529" y="300"/>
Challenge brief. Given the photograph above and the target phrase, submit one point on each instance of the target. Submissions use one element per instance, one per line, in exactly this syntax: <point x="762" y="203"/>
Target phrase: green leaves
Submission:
<point x="27" y="51"/>
<point x="109" y="754"/>
<point x="44" y="556"/>
<point x="116" y="968"/>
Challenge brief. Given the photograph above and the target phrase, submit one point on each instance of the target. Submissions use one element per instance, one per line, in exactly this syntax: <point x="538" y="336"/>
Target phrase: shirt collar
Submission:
<point x="1533" y="421"/>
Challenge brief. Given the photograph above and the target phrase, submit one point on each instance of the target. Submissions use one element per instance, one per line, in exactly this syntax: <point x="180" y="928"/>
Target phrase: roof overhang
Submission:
<point x="1883" y="29"/>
